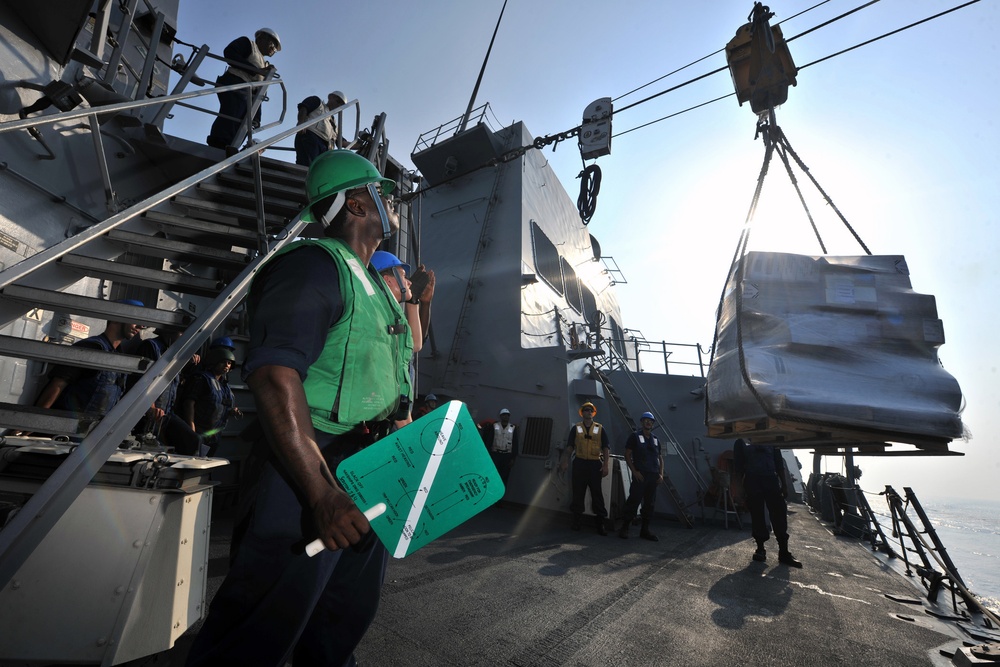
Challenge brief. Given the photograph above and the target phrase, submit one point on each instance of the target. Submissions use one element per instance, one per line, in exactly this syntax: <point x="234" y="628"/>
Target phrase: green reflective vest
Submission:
<point x="363" y="369"/>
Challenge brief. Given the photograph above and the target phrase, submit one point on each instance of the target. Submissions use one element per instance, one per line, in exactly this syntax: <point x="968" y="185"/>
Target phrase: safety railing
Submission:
<point x="621" y="364"/>
<point x="917" y="546"/>
<point x="686" y="355"/>
<point x="93" y="115"/>
<point x="451" y="128"/>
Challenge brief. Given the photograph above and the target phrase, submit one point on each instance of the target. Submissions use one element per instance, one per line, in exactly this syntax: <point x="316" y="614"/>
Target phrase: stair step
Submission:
<point x="113" y="311"/>
<point x="11" y="346"/>
<point x="278" y="176"/>
<point x="296" y="193"/>
<point x="36" y="420"/>
<point x="227" y="212"/>
<point x="240" y="197"/>
<point x="191" y="227"/>
<point x="181" y="251"/>
<point x="141" y="276"/>
<point x="282" y="166"/>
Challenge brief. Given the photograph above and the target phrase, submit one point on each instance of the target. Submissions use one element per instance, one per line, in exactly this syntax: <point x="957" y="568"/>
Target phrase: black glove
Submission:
<point x="418" y="283"/>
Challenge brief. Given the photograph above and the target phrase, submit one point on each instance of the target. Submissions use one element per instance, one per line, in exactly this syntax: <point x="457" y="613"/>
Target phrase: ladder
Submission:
<point x="209" y="237"/>
<point x="609" y="388"/>
<point x="452" y="376"/>
<point x="682" y="511"/>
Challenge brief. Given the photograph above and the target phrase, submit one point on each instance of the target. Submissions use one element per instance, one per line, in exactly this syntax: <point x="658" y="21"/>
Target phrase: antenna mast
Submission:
<point x="475" y="91"/>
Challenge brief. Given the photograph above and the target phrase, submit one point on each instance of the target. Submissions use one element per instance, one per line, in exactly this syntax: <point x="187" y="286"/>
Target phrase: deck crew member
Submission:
<point x="327" y="364"/>
<point x="589" y="442"/>
<point x="318" y="137"/>
<point x="249" y="65"/>
<point x="644" y="459"/>
<point x="161" y="420"/>
<point x="429" y="405"/>
<point x="206" y="401"/>
<point x="501" y="442"/>
<point x="90" y="391"/>
<point x="762" y="471"/>
<point x="394" y="272"/>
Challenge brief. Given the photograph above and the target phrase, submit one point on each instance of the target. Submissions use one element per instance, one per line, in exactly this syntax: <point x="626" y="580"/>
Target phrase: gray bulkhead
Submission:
<point x="518" y="284"/>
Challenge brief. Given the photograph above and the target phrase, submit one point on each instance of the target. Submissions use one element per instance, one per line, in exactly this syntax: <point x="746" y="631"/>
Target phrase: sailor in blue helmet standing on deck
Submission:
<point x="762" y="472"/>
<point x="644" y="459"/>
<point x="327" y="363"/>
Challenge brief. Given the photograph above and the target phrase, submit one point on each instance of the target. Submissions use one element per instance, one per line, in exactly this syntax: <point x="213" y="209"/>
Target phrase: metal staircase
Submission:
<point x="202" y="238"/>
<point x="209" y="238"/>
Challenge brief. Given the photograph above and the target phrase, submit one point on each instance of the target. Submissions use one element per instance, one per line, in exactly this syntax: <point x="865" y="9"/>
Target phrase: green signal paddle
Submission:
<point x="421" y="481"/>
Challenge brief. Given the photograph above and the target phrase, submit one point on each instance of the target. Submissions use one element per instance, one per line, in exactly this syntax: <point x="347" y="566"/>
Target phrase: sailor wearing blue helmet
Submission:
<point x="394" y="272"/>
<point x="644" y="459"/>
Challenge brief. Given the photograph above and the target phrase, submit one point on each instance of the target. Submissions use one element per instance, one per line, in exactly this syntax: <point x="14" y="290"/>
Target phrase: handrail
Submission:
<point x="641" y="344"/>
<point x="73" y="114"/>
<point x="660" y="422"/>
<point x="26" y="266"/>
<point x="93" y="115"/>
<point x="444" y="128"/>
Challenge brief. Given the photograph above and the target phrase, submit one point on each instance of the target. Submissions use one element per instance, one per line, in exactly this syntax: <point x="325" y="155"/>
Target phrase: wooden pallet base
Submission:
<point x="798" y="435"/>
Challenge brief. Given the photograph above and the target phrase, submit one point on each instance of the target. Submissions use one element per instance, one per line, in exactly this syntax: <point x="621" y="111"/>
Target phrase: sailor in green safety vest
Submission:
<point x="328" y="366"/>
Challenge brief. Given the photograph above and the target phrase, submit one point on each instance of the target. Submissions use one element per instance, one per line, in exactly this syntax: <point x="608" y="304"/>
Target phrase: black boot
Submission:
<point x="623" y="533"/>
<point x="785" y="556"/>
<point x="761" y="554"/>
<point x="645" y="534"/>
<point x="601" y="530"/>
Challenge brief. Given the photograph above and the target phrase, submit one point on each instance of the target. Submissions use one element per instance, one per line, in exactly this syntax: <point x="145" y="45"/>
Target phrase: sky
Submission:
<point x="902" y="134"/>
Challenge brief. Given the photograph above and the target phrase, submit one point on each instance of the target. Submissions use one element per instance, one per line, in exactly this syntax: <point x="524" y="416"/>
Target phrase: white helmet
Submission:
<point x="338" y="94"/>
<point x="272" y="34"/>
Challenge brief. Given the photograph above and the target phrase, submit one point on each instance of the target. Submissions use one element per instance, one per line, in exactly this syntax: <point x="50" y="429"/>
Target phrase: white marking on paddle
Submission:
<point x="428" y="479"/>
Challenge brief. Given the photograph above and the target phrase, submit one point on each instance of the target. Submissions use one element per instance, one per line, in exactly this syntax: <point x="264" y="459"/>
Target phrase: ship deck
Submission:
<point x="514" y="586"/>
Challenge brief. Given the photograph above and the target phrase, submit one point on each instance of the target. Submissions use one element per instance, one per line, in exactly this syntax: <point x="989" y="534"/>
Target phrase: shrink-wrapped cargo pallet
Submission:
<point x="829" y="349"/>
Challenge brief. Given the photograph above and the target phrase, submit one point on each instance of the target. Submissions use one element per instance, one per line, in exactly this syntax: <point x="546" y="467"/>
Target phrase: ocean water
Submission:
<point x="970" y="531"/>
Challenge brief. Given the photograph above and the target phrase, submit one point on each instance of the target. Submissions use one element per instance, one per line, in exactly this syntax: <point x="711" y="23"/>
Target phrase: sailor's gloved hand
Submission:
<point x="422" y="284"/>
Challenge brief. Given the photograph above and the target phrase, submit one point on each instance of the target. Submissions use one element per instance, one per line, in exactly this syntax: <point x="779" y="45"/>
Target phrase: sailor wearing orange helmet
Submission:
<point x="589" y="442"/>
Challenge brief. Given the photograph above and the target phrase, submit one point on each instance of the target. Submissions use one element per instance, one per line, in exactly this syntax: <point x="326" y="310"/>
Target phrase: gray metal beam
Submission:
<point x="11" y="346"/>
<point x="180" y="224"/>
<point x="94" y="307"/>
<point x="153" y="246"/>
<point x="36" y="420"/>
<point x="142" y="276"/>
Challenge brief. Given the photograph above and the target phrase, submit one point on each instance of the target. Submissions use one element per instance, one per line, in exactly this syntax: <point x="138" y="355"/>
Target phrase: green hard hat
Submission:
<point x="217" y="354"/>
<point x="339" y="170"/>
